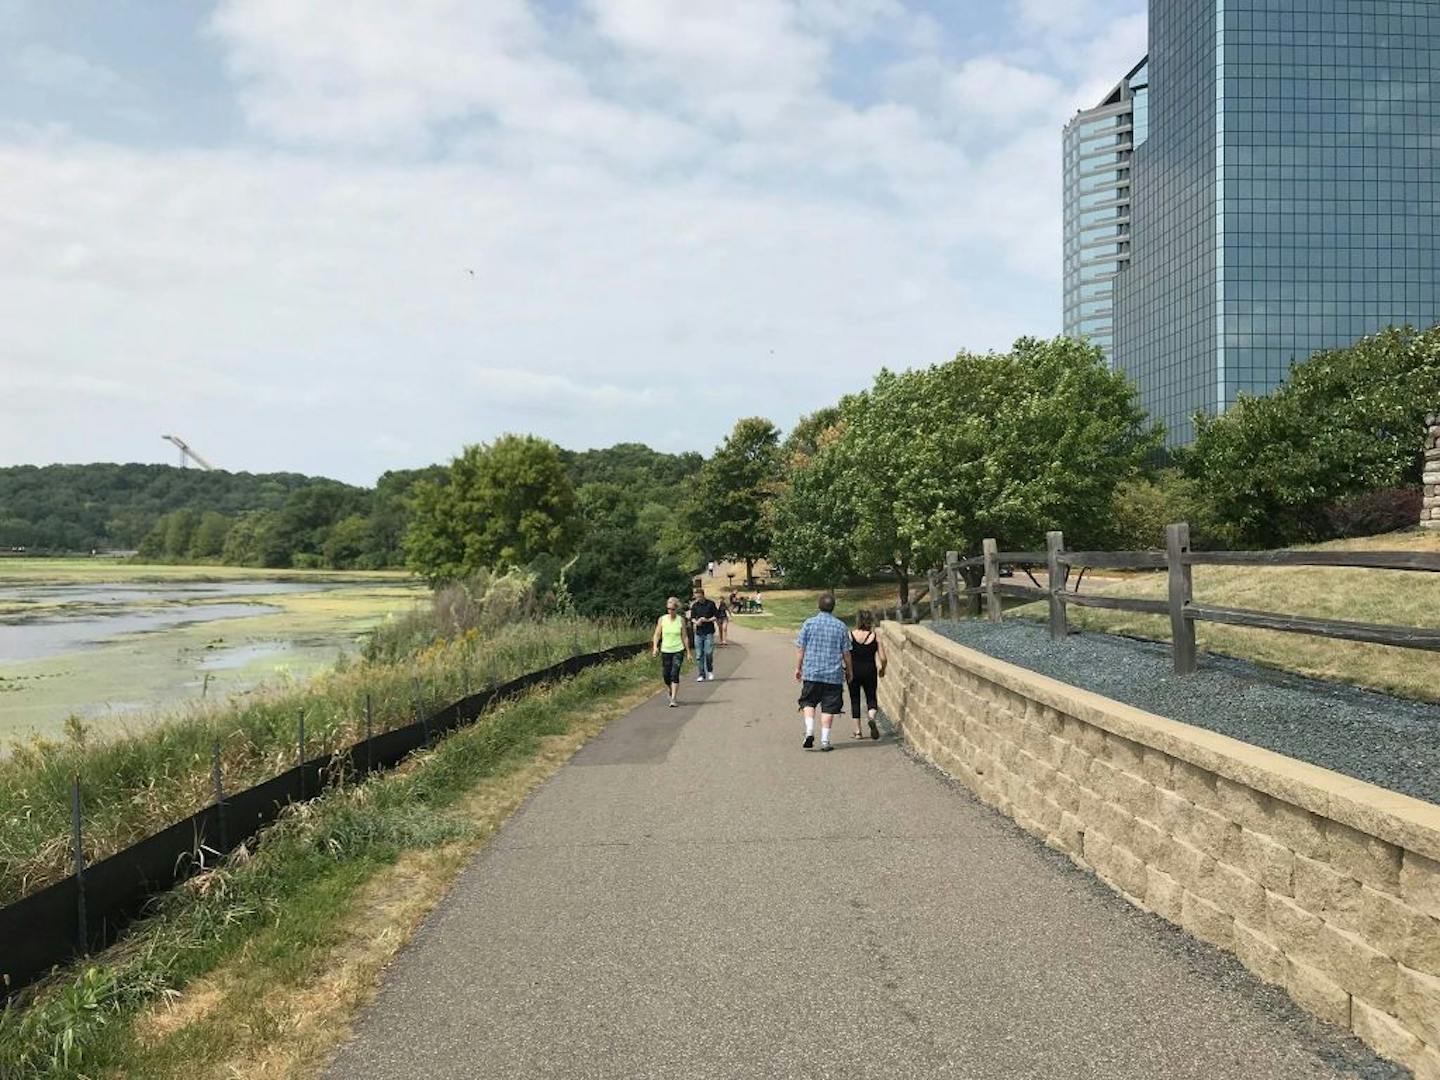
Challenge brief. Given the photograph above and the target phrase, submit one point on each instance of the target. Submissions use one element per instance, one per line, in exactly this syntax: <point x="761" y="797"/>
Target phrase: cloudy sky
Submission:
<point x="349" y="235"/>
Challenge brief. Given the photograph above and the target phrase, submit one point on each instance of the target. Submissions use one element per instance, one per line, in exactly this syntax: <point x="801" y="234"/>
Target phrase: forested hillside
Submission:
<point x="288" y="520"/>
<point x="80" y="507"/>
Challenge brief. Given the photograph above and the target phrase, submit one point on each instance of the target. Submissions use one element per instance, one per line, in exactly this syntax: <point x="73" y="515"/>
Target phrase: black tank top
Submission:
<point x="862" y="653"/>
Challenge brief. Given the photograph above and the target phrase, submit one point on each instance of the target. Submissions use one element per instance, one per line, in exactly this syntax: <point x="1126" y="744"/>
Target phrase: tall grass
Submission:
<point x="137" y="784"/>
<point x="278" y="910"/>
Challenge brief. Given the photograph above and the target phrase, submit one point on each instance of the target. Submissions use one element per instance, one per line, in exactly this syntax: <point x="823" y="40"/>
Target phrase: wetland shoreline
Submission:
<point x="122" y="644"/>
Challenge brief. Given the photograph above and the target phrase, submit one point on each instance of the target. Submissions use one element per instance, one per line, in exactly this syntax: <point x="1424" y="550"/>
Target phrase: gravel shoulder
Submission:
<point x="1366" y="735"/>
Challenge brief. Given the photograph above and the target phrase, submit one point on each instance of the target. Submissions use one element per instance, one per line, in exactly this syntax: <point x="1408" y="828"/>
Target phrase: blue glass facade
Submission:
<point x="1286" y="198"/>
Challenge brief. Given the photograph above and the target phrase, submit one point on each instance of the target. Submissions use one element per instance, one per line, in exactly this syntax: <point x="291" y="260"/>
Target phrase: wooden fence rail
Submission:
<point x="945" y="587"/>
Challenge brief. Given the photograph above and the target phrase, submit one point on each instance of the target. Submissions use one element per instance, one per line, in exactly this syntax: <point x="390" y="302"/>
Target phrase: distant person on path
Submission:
<point x="867" y="664"/>
<point x="722" y="621"/>
<point x="669" y="643"/>
<point x="703" y="617"/>
<point x="822" y="667"/>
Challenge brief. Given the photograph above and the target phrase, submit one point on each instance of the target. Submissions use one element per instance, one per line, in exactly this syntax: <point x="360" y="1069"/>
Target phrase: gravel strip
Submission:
<point x="1371" y="736"/>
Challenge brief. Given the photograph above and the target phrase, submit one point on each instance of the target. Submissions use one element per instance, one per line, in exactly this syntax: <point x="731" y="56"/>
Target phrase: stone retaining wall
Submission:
<point x="1327" y="886"/>
<point x="1430" y="508"/>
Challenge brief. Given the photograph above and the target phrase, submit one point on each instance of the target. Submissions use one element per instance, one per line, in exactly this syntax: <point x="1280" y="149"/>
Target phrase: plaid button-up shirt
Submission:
<point x="825" y="640"/>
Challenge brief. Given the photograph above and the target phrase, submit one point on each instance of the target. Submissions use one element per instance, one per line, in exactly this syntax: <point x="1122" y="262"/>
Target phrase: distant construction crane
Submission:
<point x="186" y="452"/>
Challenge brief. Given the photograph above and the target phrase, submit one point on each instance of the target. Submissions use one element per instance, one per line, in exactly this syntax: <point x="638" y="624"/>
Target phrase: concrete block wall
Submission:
<point x="1324" y="885"/>
<point x="1430" y="508"/>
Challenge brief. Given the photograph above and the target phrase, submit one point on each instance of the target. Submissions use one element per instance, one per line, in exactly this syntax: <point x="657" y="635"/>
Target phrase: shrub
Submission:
<point x="1374" y="512"/>
<point x="1346" y="422"/>
<point x="1144" y="505"/>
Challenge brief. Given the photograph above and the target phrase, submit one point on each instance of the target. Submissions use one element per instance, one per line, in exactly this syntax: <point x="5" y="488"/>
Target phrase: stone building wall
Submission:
<point x="1324" y="885"/>
<point x="1430" y="508"/>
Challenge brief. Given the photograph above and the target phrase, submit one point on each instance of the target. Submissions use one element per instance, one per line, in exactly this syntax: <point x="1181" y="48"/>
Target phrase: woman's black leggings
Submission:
<point x="867" y="681"/>
<point x="670" y="666"/>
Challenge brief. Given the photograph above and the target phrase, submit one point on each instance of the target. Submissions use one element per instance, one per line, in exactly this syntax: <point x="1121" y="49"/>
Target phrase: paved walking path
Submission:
<point x="694" y="896"/>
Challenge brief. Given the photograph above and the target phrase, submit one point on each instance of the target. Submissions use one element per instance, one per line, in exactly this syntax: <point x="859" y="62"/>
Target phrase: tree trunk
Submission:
<point x="973" y="576"/>
<point x="903" y="580"/>
<point x="749" y="572"/>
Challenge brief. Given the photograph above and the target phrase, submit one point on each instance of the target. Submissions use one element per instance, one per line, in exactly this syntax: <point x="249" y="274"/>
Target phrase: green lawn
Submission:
<point x="786" y="609"/>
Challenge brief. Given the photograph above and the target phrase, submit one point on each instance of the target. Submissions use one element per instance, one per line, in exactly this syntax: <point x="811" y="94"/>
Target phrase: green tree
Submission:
<point x="208" y="540"/>
<point x="502" y="503"/>
<point x="1346" y="422"/>
<point x="938" y="458"/>
<point x="349" y="544"/>
<point x="617" y="572"/>
<point x="729" y="513"/>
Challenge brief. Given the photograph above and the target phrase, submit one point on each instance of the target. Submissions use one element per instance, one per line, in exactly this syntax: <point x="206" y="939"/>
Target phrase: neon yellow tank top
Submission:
<point x="672" y="633"/>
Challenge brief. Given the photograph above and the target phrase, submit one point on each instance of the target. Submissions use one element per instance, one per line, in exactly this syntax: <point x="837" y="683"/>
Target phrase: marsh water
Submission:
<point x="121" y="653"/>
<point x="50" y="620"/>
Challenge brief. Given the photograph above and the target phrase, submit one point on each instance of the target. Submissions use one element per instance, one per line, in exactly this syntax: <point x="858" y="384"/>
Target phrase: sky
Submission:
<point x="344" y="236"/>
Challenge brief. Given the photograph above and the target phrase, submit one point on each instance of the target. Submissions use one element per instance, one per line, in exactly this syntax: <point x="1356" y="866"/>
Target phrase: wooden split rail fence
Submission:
<point x="944" y="589"/>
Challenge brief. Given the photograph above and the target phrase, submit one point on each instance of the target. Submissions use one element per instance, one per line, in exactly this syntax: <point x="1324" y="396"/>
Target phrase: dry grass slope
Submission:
<point x="1405" y="598"/>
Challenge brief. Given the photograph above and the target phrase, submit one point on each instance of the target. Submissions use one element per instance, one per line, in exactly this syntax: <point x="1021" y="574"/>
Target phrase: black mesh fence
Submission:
<point x="44" y="929"/>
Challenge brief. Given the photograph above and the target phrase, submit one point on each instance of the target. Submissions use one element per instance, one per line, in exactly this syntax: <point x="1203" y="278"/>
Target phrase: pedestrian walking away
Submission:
<point x="670" y="645"/>
<point x="867" y="665"/>
<point x="703" y="617"/>
<point x="722" y="621"/>
<point x="822" y="668"/>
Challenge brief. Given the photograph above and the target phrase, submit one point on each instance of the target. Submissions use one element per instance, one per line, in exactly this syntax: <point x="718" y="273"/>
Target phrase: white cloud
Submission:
<point x="990" y="87"/>
<point x="532" y="391"/>
<point x="671" y="213"/>
<point x="67" y="72"/>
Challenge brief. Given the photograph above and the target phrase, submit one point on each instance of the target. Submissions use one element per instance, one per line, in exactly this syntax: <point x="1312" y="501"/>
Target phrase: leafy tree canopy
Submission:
<point x="1348" y="421"/>
<point x="501" y="504"/>
<point x="935" y="459"/>
<point x="729" y="513"/>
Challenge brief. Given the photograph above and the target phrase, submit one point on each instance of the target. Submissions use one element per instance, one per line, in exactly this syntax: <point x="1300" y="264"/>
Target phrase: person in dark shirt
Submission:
<point x="867" y="664"/>
<point x="703" y="617"/>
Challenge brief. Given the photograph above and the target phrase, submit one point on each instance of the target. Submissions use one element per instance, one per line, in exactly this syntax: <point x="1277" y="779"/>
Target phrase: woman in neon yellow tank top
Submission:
<point x="671" y="645"/>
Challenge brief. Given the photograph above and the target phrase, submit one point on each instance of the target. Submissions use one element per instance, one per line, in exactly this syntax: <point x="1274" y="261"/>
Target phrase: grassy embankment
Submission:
<point x="254" y="969"/>
<point x="786" y="609"/>
<point x="1405" y="598"/>
<point x="139" y="783"/>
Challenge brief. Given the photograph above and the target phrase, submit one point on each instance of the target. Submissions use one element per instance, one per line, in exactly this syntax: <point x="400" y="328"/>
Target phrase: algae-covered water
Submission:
<point x="118" y="644"/>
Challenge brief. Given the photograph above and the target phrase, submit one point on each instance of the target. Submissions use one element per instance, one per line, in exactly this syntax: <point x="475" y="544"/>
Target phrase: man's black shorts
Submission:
<point x="830" y="697"/>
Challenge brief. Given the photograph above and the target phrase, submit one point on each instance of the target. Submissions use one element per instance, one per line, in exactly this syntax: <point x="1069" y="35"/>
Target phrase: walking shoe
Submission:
<point x="874" y="730"/>
<point x="673" y="704"/>
<point x="809" y="742"/>
<point x="826" y="746"/>
<point x="700" y="677"/>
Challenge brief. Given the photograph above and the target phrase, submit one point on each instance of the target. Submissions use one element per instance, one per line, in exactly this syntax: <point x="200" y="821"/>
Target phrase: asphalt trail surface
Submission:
<point x="694" y="896"/>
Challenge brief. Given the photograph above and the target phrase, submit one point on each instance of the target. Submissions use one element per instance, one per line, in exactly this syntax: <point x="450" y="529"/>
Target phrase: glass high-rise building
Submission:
<point x="1099" y="144"/>
<point x="1286" y="199"/>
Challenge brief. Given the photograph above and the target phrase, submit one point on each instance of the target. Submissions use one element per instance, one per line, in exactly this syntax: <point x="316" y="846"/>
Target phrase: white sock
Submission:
<point x="809" y="724"/>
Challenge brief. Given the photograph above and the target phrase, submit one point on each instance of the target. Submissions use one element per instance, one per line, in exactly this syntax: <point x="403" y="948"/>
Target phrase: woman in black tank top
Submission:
<point x="867" y="660"/>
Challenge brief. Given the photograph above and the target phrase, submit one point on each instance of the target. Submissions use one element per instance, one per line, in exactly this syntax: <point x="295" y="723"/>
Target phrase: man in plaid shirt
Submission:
<point x="822" y="667"/>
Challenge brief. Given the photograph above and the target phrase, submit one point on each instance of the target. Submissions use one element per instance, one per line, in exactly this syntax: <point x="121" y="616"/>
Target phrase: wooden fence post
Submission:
<point x="934" y="580"/>
<point x="218" y="782"/>
<point x="1054" y="546"/>
<point x="77" y="842"/>
<point x="1182" y="630"/>
<point x="300" y="748"/>
<point x="992" y="578"/>
<point x="952" y="579"/>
